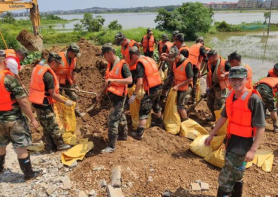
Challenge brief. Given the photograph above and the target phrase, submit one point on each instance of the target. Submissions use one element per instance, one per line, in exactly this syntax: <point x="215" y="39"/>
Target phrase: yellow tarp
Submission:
<point x="191" y="129"/>
<point x="171" y="117"/>
<point x="77" y="152"/>
<point x="135" y="107"/>
<point x="66" y="119"/>
<point x="198" y="90"/>
<point x="223" y="129"/>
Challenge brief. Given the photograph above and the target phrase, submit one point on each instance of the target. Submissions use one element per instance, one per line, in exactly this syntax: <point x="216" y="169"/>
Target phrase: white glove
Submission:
<point x="132" y="98"/>
<point x="69" y="103"/>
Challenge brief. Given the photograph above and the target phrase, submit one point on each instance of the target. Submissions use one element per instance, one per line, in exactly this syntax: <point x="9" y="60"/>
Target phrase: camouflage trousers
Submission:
<point x="267" y="97"/>
<point x="17" y="132"/>
<point x="117" y="123"/>
<point x="195" y="79"/>
<point x="231" y="172"/>
<point x="216" y="99"/>
<point x="71" y="94"/>
<point x="183" y="98"/>
<point x="52" y="134"/>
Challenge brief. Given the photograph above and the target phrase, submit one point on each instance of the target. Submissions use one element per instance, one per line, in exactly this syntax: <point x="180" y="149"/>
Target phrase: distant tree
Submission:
<point x="266" y="16"/>
<point x="190" y="19"/>
<point x="8" y="18"/>
<point x="51" y="17"/>
<point x="115" y="26"/>
<point x="78" y="27"/>
<point x="89" y="23"/>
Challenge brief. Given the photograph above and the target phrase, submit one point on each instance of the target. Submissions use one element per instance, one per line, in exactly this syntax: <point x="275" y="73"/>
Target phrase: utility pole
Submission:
<point x="269" y="17"/>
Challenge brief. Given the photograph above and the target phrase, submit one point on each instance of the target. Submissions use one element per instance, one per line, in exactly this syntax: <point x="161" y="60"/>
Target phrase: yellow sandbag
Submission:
<point x="262" y="156"/>
<point x="267" y="166"/>
<point x="191" y="129"/>
<point x="65" y="116"/>
<point x="171" y="117"/>
<point x="199" y="148"/>
<point x="198" y="90"/>
<point x="77" y="152"/>
<point x="135" y="107"/>
<point x="216" y="142"/>
<point x="223" y="129"/>
<point x="162" y="75"/>
<point x="217" y="158"/>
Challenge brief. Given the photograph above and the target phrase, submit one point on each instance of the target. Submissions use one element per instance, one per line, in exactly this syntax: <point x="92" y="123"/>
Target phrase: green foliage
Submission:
<point x="10" y="41"/>
<point x="89" y="23"/>
<point x="51" y="17"/>
<point x="31" y="58"/>
<point x="266" y="16"/>
<point x="225" y="27"/>
<point x="191" y="19"/>
<point x="8" y="18"/>
<point x="115" y="26"/>
<point x="61" y="37"/>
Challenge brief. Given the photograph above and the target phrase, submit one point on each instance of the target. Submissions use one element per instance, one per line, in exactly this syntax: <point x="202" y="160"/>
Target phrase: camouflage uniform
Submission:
<point x="169" y="80"/>
<point x="13" y="125"/>
<point x="267" y="97"/>
<point x="71" y="94"/>
<point x="216" y="98"/>
<point x="117" y="122"/>
<point x="231" y="172"/>
<point x="183" y="97"/>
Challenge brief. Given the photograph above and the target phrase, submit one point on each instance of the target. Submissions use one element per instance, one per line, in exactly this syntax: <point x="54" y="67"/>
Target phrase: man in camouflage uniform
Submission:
<point x="117" y="77"/>
<point x="13" y="124"/>
<point x="242" y="141"/>
<point x="52" y="134"/>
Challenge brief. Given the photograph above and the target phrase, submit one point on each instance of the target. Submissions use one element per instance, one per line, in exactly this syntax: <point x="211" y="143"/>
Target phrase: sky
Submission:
<point x="50" y="5"/>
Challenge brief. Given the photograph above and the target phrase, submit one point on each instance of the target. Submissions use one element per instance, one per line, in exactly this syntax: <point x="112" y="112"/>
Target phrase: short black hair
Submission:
<point x="21" y="52"/>
<point x="199" y="40"/>
<point x="235" y="56"/>
<point x="211" y="53"/>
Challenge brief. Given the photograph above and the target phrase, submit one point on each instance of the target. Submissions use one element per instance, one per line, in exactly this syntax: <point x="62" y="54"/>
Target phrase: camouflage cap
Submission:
<point x="22" y="52"/>
<point x="276" y="66"/>
<point x="106" y="48"/>
<point x="238" y="72"/>
<point x="75" y="48"/>
<point x="2" y="55"/>
<point x="134" y="50"/>
<point x="55" y="56"/>
<point x="119" y="37"/>
<point x="211" y="53"/>
<point x="149" y="31"/>
<point x="200" y="39"/>
<point x="180" y="37"/>
<point x="165" y="37"/>
<point x="173" y="52"/>
<point x="175" y="33"/>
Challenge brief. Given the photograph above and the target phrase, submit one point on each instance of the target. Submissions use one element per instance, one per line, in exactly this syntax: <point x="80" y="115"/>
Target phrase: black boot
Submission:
<point x="123" y="130"/>
<point x="237" y="190"/>
<point x="220" y="193"/>
<point x="138" y="134"/>
<point x="2" y="161"/>
<point x="112" y="139"/>
<point x="26" y="167"/>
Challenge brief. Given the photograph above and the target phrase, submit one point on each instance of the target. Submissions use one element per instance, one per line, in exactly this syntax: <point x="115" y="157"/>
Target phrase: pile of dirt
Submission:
<point x="25" y="35"/>
<point x="29" y="41"/>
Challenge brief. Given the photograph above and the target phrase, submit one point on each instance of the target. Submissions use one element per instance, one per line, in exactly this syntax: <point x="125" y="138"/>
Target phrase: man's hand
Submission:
<point x="176" y="88"/>
<point x="132" y="98"/>
<point x="77" y="88"/>
<point x="108" y="81"/>
<point x="222" y="76"/>
<point x="163" y="56"/>
<point x="35" y="124"/>
<point x="69" y="103"/>
<point x="250" y="156"/>
<point x="208" y="140"/>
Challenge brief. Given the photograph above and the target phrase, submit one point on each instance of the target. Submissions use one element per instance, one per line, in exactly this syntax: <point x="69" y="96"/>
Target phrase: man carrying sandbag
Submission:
<point x="245" y="113"/>
<point x="148" y="76"/>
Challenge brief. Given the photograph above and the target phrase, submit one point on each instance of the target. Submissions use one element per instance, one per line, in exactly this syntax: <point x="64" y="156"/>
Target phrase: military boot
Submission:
<point x="138" y="134"/>
<point x="26" y="168"/>
<point x="220" y="193"/>
<point x="2" y="162"/>
<point x="61" y="144"/>
<point x="237" y="190"/>
<point x="123" y="130"/>
<point x="112" y="139"/>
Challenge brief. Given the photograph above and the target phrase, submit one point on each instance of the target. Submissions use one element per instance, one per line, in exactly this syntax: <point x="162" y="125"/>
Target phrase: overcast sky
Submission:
<point x="50" y="5"/>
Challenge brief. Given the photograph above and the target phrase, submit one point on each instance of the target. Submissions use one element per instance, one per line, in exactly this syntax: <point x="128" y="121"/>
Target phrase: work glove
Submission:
<point x="132" y="98"/>
<point x="69" y="103"/>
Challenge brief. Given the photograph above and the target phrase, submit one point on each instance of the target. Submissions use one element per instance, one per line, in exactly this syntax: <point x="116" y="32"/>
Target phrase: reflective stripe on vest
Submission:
<point x="272" y="73"/>
<point x="148" y="43"/>
<point x="5" y="98"/>
<point x="10" y="53"/>
<point x="152" y="77"/>
<point x="239" y="115"/>
<point x="37" y="86"/>
<point x="64" y="72"/>
<point x="116" y="73"/>
<point x="180" y="75"/>
<point x="272" y="82"/>
<point x="125" y="53"/>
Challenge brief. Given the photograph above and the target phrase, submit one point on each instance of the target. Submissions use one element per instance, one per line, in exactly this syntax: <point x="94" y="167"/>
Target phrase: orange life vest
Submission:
<point x="10" y="53"/>
<point x="116" y="73"/>
<point x="125" y="53"/>
<point x="180" y="75"/>
<point x="249" y="83"/>
<point x="152" y="77"/>
<point x="194" y="55"/>
<point x="162" y="44"/>
<point x="184" y="48"/>
<point x="64" y="72"/>
<point x="224" y="83"/>
<point x="5" y="98"/>
<point x="239" y="115"/>
<point x="148" y="44"/>
<point x="272" y="73"/>
<point x="271" y="82"/>
<point x="37" y="86"/>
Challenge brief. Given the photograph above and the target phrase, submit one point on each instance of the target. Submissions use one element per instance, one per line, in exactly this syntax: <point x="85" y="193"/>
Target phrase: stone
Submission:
<point x="130" y="184"/>
<point x="114" y="192"/>
<point x="100" y="168"/>
<point x="43" y="185"/>
<point x="50" y="190"/>
<point x="66" y="183"/>
<point x="60" y="165"/>
<point x="102" y="183"/>
<point x="150" y="179"/>
<point x="195" y="187"/>
<point x="204" y="186"/>
<point x="166" y="194"/>
<point x="152" y="170"/>
<point x="116" y="180"/>
<point x="73" y="165"/>
<point x="93" y="193"/>
<point x="82" y="194"/>
<point x="198" y="181"/>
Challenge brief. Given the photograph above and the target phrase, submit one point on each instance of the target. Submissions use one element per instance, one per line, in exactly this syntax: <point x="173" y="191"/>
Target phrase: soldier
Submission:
<point x="164" y="45"/>
<point x="274" y="71"/>
<point x="44" y="91"/>
<point x="13" y="124"/>
<point x="180" y="44"/>
<point x="174" y="34"/>
<point x="217" y="82"/>
<point x="148" y="77"/>
<point x="66" y="74"/>
<point x="245" y="113"/>
<point x="148" y="42"/>
<point x="118" y="75"/>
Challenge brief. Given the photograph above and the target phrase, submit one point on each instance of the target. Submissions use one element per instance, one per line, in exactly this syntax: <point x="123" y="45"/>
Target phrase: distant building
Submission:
<point x="224" y="5"/>
<point x="250" y="3"/>
<point x="274" y="3"/>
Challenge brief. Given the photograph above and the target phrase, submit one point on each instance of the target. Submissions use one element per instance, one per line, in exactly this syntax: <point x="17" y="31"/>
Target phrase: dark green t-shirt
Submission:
<point x="241" y="145"/>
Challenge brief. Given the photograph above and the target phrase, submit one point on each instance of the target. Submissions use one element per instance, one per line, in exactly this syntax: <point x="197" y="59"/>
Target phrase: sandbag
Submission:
<point x="217" y="141"/>
<point x="198" y="90"/>
<point x="171" y="117"/>
<point x="191" y="129"/>
<point x="65" y="116"/>
<point x="199" y="148"/>
<point x="217" y="158"/>
<point x="223" y="129"/>
<point x="135" y="107"/>
<point x="267" y="166"/>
